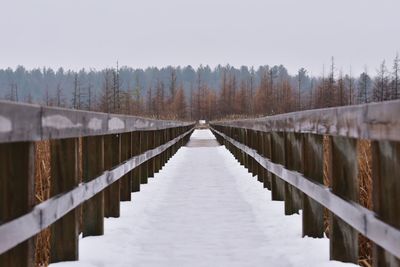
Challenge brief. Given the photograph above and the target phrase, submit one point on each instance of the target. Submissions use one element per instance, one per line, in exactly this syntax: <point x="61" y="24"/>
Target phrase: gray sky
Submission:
<point x="140" y="33"/>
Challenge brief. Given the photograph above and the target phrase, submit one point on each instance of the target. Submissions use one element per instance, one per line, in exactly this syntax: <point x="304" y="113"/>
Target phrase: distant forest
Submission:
<point x="203" y="93"/>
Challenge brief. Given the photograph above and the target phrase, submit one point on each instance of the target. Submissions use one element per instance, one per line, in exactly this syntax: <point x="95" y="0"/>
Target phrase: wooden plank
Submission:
<point x="313" y="212"/>
<point x="126" y="181"/>
<point x="150" y="165"/>
<point x="163" y="140"/>
<point x="277" y="156"/>
<point x="267" y="154"/>
<point x="344" y="238"/>
<point x="64" y="177"/>
<point x="17" y="196"/>
<point x="157" y="141"/>
<point x="169" y="136"/>
<point x="261" y="172"/>
<point x="294" y="157"/>
<point x="112" y="157"/>
<point x="143" y="147"/>
<point x="386" y="193"/>
<point x="241" y="138"/>
<point x="136" y="151"/>
<point x="360" y="218"/>
<point x="19" y="122"/>
<point x="251" y="160"/>
<point x="93" y="165"/>
<point x="246" y="142"/>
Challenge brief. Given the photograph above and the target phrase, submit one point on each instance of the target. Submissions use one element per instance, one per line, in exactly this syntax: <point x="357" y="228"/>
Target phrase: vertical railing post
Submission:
<point x="112" y="157"/>
<point x="343" y="238"/>
<point x="260" y="148"/>
<point x="17" y="196"/>
<point x="157" y="141"/>
<point x="267" y="154"/>
<point x="313" y="212"/>
<point x="150" y="165"/>
<point x="294" y="155"/>
<point x="126" y="180"/>
<point x="246" y="142"/>
<point x="251" y="142"/>
<point x="386" y="193"/>
<point x="143" y="148"/>
<point x="242" y="140"/>
<point x="163" y="156"/>
<point x="278" y="156"/>
<point x="136" y="150"/>
<point x="169" y="139"/>
<point x="64" y="177"/>
<point x="93" y="165"/>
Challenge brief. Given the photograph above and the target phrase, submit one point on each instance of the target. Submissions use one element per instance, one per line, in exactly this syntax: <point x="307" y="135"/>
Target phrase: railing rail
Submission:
<point x="286" y="153"/>
<point x="118" y="154"/>
<point x="374" y="121"/>
<point x="28" y="122"/>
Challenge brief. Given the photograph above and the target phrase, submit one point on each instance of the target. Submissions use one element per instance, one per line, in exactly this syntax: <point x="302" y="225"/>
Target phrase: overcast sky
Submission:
<point x="96" y="33"/>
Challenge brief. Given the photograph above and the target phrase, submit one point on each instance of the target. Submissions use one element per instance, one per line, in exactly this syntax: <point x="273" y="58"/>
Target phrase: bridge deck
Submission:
<point x="203" y="209"/>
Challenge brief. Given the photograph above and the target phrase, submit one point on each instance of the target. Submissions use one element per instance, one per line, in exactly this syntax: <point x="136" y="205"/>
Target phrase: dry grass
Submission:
<point x="326" y="155"/>
<point x="365" y="185"/>
<point x="42" y="193"/>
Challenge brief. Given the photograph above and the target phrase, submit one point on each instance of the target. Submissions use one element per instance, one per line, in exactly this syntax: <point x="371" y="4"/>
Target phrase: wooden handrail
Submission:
<point x="374" y="121"/>
<point x="26" y="122"/>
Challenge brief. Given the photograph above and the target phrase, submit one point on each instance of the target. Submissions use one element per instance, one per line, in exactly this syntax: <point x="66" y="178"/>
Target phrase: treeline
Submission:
<point x="203" y="93"/>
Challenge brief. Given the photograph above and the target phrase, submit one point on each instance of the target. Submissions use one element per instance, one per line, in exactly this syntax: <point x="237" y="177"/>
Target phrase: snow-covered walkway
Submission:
<point x="203" y="209"/>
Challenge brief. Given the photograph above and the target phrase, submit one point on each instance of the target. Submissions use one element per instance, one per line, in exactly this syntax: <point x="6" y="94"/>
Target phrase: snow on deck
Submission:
<point x="203" y="209"/>
<point x="202" y="138"/>
<point x="202" y="134"/>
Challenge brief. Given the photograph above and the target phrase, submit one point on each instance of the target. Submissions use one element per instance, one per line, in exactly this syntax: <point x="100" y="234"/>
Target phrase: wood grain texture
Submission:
<point x="375" y="121"/>
<point x="112" y="158"/>
<point x="17" y="197"/>
<point x="64" y="177"/>
<point x="344" y="238"/>
<point x="27" y="122"/>
<point x="313" y="212"/>
<point x="126" y="181"/>
<point x="93" y="165"/>
<point x="386" y="193"/>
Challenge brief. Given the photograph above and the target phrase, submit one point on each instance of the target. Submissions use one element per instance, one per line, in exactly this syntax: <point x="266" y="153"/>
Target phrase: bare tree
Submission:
<point x="364" y="83"/>
<point x="300" y="77"/>
<point x="381" y="84"/>
<point x="90" y="96"/>
<point x="350" y="83"/>
<point x="116" y="90"/>
<point x="341" y="90"/>
<point x="76" y="100"/>
<point x="13" y="93"/>
<point x="395" y="79"/>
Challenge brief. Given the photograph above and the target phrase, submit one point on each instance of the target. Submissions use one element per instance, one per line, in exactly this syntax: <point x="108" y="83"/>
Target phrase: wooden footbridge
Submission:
<point x="119" y="153"/>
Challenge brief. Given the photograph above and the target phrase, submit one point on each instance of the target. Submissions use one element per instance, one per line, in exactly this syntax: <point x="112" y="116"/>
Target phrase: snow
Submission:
<point x="202" y="134"/>
<point x="203" y="209"/>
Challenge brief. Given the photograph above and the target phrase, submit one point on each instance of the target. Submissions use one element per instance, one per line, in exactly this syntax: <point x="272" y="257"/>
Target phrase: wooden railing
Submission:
<point x="118" y="154"/>
<point x="286" y="152"/>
